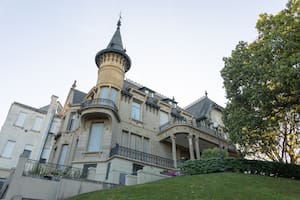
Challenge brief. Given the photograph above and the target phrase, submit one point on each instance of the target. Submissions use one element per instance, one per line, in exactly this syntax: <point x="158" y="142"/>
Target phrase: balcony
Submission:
<point x="141" y="156"/>
<point x="209" y="130"/>
<point x="98" y="107"/>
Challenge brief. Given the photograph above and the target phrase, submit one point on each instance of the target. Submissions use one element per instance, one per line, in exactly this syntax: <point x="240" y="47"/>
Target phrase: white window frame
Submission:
<point x="54" y="127"/>
<point x="21" y="119"/>
<point x="95" y="137"/>
<point x="71" y="122"/>
<point x="163" y="114"/>
<point x="28" y="148"/>
<point x="8" y="149"/>
<point x="37" y="124"/>
<point x="136" y="111"/>
<point x="63" y="154"/>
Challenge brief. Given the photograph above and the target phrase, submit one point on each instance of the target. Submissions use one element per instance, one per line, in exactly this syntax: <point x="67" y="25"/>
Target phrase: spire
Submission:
<point x="74" y="84"/>
<point x="115" y="45"/>
<point x="116" y="40"/>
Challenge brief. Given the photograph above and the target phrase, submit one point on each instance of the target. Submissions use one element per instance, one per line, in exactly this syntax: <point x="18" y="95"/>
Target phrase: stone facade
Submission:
<point x="121" y="127"/>
<point x="28" y="130"/>
<point x="119" y="132"/>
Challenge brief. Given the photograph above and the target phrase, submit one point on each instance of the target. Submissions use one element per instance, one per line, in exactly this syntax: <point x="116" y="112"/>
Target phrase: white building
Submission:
<point x="30" y="131"/>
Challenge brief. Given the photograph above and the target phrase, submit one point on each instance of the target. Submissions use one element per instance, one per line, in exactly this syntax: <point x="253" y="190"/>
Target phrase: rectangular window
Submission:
<point x="124" y="140"/>
<point x="103" y="92"/>
<point x="71" y="123"/>
<point x="136" y="142"/>
<point x="146" y="145"/>
<point x="63" y="154"/>
<point x="85" y="169"/>
<point x="95" y="139"/>
<point x="8" y="149"/>
<point x="45" y="154"/>
<point x="136" y="111"/>
<point x="113" y="94"/>
<point x="132" y="141"/>
<point x="37" y="124"/>
<point x="27" y="150"/>
<point x="136" y="168"/>
<point x="54" y="128"/>
<point x="21" y="119"/>
<point x="163" y="118"/>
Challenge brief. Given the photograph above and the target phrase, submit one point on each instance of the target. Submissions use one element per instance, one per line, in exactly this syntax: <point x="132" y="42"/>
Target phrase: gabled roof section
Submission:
<point x="202" y="107"/>
<point x="44" y="108"/>
<point x="78" y="96"/>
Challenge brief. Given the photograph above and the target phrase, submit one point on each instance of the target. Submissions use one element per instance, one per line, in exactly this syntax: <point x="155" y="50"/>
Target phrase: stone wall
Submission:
<point x="37" y="188"/>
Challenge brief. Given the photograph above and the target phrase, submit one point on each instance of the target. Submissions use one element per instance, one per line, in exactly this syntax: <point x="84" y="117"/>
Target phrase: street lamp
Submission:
<point x="216" y="126"/>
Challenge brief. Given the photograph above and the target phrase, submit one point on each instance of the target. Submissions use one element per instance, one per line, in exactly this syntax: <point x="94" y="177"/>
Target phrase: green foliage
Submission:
<point x="262" y="82"/>
<point x="204" y="166"/>
<point x="214" y="153"/>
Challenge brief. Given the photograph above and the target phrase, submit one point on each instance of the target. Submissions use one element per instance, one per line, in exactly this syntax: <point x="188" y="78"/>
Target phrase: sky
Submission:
<point x="176" y="46"/>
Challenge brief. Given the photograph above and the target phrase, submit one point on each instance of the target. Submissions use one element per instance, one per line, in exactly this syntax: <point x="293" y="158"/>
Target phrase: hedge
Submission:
<point x="265" y="168"/>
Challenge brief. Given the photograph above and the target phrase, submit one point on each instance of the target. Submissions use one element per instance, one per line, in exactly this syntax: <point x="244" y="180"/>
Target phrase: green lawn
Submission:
<point x="208" y="186"/>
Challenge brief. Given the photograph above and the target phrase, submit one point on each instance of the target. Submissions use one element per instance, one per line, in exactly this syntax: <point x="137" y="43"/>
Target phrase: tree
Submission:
<point x="262" y="82"/>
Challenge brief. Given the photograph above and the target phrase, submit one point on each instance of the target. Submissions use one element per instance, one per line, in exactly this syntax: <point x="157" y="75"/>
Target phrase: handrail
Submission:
<point x="190" y="123"/>
<point x="51" y="171"/>
<point x="141" y="156"/>
<point x="100" y="102"/>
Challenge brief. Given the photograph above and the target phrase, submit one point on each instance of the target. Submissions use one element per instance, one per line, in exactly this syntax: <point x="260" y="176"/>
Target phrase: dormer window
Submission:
<point x="147" y="91"/>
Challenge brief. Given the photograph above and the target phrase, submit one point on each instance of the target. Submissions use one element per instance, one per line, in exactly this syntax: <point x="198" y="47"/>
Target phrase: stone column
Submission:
<point x="173" y="139"/>
<point x="191" y="147"/>
<point x="197" y="147"/>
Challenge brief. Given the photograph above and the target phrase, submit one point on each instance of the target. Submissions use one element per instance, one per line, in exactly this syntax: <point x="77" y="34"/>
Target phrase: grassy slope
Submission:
<point x="209" y="186"/>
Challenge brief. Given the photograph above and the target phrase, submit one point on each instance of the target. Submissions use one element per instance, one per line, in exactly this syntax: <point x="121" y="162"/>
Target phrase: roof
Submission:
<point x="31" y="108"/>
<point x="116" y="41"/>
<point x="78" y="96"/>
<point x="116" y="46"/>
<point x="202" y="107"/>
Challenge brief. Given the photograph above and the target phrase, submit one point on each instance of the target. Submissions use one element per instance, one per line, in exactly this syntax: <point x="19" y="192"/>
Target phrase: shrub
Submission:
<point x="266" y="168"/>
<point x="214" y="153"/>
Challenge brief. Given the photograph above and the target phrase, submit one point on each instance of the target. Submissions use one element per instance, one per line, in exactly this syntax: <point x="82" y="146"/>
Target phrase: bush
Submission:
<point x="266" y="168"/>
<point x="214" y="153"/>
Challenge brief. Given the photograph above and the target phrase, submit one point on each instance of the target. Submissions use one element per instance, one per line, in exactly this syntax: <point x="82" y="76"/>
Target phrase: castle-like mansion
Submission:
<point x="114" y="130"/>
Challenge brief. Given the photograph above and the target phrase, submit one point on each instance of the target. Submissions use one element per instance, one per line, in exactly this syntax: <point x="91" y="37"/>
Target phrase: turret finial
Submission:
<point x="206" y="93"/>
<point x="74" y="84"/>
<point x="119" y="21"/>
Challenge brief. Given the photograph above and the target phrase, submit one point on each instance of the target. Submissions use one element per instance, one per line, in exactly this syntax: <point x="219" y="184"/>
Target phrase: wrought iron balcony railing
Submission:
<point x="100" y="102"/>
<point x="207" y="129"/>
<point x="141" y="156"/>
<point x="51" y="171"/>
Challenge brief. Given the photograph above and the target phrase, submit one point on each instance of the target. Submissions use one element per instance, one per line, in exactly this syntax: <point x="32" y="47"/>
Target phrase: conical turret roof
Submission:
<point x="115" y="45"/>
